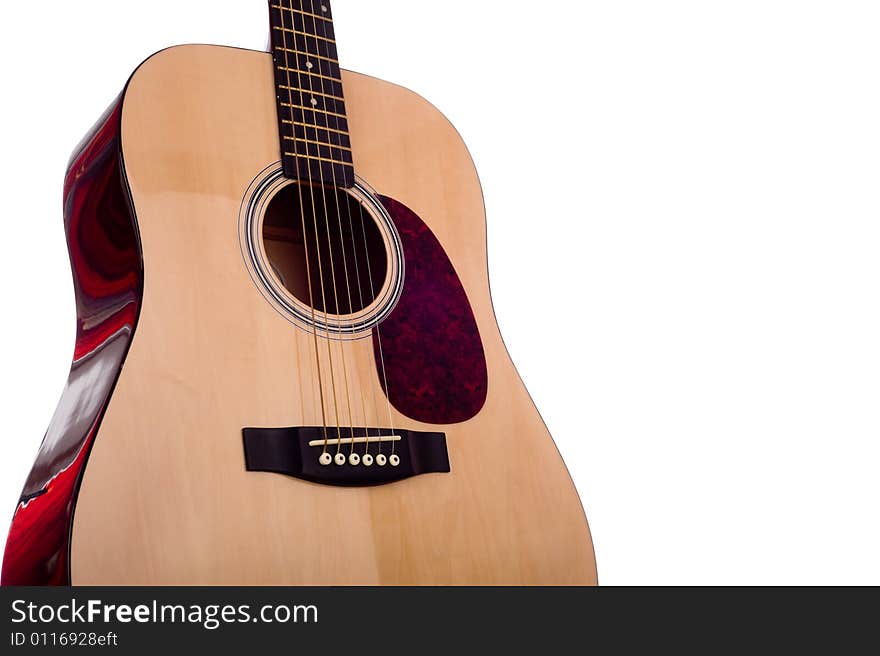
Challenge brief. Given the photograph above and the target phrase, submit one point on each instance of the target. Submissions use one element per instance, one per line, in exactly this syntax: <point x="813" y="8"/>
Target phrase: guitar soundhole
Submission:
<point x="325" y="236"/>
<point x="325" y="258"/>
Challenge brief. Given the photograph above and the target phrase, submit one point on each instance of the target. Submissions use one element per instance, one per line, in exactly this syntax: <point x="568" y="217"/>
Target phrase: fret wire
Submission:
<point x="317" y="143"/>
<point x="316" y="127"/>
<point x="315" y="157"/>
<point x="305" y="54"/>
<point x="323" y="77"/>
<point x="305" y="34"/>
<point x="317" y="93"/>
<point x="301" y="11"/>
<point x="312" y="109"/>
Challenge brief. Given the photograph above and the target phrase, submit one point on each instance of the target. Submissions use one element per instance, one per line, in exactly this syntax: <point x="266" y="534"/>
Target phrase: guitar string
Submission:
<point x="381" y="351"/>
<point x="338" y="314"/>
<point x="314" y="103"/>
<point x="372" y="291"/>
<point x="306" y="249"/>
<point x="378" y="327"/>
<point x="375" y="403"/>
<point x="343" y="343"/>
<point x="298" y="54"/>
<point x="367" y="458"/>
<point x="298" y="357"/>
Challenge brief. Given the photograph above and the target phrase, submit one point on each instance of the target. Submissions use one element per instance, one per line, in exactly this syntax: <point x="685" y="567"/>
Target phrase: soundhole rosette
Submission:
<point x="354" y="320"/>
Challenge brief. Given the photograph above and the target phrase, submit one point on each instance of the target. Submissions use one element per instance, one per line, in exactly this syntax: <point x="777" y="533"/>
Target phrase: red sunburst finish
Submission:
<point x="108" y="281"/>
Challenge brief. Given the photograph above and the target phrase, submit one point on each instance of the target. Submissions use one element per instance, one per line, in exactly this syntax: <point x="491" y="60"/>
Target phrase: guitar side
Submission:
<point x="108" y="282"/>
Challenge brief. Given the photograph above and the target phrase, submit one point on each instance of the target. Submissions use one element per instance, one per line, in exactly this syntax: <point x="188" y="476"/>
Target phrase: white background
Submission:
<point x="687" y="190"/>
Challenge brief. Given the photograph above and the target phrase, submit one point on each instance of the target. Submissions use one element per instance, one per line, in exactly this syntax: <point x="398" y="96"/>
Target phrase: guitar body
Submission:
<point x="144" y="478"/>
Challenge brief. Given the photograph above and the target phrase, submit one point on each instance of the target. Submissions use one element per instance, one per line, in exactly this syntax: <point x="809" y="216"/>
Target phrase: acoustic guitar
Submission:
<point x="287" y="366"/>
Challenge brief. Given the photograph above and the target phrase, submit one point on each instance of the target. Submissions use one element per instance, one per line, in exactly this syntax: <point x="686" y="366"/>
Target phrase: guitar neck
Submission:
<point x="312" y="119"/>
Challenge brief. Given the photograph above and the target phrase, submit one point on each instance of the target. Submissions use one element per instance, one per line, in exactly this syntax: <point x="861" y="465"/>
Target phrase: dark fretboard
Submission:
<point x="315" y="144"/>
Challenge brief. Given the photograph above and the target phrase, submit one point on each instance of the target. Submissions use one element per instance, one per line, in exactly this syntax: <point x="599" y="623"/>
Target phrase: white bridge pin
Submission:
<point x="340" y="459"/>
<point x="381" y="460"/>
<point x="368" y="460"/>
<point x="325" y="459"/>
<point x="394" y="460"/>
<point x="354" y="460"/>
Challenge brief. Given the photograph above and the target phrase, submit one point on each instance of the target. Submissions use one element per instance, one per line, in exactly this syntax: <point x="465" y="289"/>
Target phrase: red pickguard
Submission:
<point x="434" y="364"/>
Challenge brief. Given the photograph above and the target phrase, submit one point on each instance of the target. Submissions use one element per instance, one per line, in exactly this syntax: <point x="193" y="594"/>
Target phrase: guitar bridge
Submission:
<point x="345" y="457"/>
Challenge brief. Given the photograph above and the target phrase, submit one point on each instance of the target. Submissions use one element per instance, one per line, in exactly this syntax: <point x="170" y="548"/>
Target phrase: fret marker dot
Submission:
<point x="309" y="65"/>
<point x="324" y="8"/>
<point x="314" y="103"/>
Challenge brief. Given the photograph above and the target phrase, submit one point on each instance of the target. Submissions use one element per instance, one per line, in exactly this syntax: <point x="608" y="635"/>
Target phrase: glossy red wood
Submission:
<point x="108" y="281"/>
